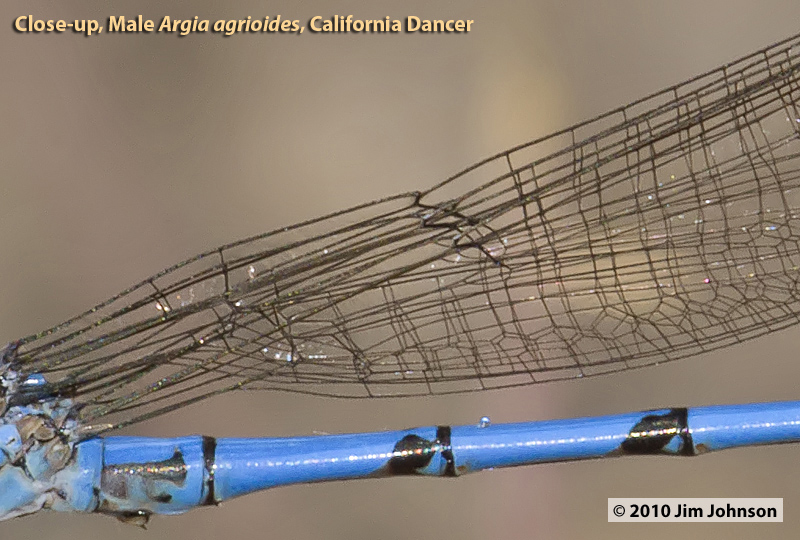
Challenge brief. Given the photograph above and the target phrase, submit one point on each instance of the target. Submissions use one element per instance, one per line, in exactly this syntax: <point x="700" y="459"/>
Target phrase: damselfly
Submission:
<point x="657" y="231"/>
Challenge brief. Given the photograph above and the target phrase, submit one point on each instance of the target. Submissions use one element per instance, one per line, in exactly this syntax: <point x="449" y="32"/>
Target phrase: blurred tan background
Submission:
<point x="122" y="154"/>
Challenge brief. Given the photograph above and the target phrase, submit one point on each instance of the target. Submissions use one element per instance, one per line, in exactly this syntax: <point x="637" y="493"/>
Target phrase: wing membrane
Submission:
<point x="657" y="231"/>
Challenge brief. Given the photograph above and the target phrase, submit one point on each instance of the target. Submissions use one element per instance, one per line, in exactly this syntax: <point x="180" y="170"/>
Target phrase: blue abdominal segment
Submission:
<point x="133" y="477"/>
